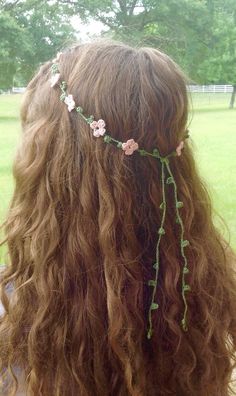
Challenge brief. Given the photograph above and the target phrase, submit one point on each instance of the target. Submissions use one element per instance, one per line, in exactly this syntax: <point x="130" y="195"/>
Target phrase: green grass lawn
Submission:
<point x="9" y="133"/>
<point x="213" y="131"/>
<point x="213" y="135"/>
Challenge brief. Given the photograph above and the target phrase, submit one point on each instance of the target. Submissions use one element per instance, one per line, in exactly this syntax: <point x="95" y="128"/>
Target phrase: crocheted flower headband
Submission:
<point x="98" y="130"/>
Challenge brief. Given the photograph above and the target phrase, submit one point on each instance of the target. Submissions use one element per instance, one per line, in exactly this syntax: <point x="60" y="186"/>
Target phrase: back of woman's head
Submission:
<point x="82" y="234"/>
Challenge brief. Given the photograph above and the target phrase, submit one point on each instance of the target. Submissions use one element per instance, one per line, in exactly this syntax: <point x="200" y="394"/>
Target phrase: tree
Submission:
<point x="33" y="32"/>
<point x="10" y="50"/>
<point x="199" y="35"/>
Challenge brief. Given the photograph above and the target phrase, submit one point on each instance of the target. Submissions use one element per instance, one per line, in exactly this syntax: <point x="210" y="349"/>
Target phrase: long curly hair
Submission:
<point x="81" y="234"/>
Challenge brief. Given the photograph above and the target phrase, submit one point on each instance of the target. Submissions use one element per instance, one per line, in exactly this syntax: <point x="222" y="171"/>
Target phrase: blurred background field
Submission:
<point x="213" y="136"/>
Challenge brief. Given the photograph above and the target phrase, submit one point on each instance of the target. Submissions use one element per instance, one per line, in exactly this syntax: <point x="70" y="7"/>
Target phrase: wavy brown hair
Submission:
<point x="81" y="233"/>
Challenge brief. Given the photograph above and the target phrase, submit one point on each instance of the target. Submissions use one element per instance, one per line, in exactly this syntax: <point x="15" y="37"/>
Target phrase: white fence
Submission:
<point x="191" y="88"/>
<point x="18" y="89"/>
<point x="210" y="88"/>
<point x="14" y="90"/>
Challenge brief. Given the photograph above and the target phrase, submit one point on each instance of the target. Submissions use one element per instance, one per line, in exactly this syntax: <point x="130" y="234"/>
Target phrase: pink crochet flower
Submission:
<point x="93" y="125"/>
<point x="129" y="147"/>
<point x="54" y="79"/>
<point x="98" y="128"/>
<point x="69" y="101"/>
<point x="179" y="148"/>
<point x="101" y="123"/>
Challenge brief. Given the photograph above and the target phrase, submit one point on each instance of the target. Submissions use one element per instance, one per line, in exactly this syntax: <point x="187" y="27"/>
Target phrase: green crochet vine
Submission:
<point x="167" y="178"/>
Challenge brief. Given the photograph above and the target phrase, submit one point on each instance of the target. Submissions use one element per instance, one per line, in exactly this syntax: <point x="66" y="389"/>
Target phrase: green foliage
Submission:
<point x="31" y="32"/>
<point x="220" y="64"/>
<point x="11" y="34"/>
<point x="199" y="35"/>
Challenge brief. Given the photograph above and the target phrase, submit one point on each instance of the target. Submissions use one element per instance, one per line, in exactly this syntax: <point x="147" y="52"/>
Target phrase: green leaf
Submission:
<point x="162" y="205"/>
<point x="63" y="85"/>
<point x="186" y="270"/>
<point x="54" y="68"/>
<point x="184" y="243"/>
<point x="152" y="282"/>
<point x="161" y="231"/>
<point x="155" y="266"/>
<point x="177" y="220"/>
<point x="62" y="97"/>
<point x="169" y="180"/>
<point x="154" y="306"/>
<point x="179" y="204"/>
<point x="79" y="109"/>
<point x="142" y="152"/>
<point x="155" y="152"/>
<point x="187" y="288"/>
<point x="149" y="334"/>
<point x="107" y="138"/>
<point x="184" y="325"/>
<point x="89" y="120"/>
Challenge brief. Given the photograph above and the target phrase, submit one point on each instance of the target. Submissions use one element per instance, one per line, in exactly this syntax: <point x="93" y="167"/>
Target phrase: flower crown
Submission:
<point x="129" y="147"/>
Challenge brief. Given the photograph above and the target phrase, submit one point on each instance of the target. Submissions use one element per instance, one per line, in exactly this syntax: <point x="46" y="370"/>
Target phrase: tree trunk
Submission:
<point x="232" y="100"/>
